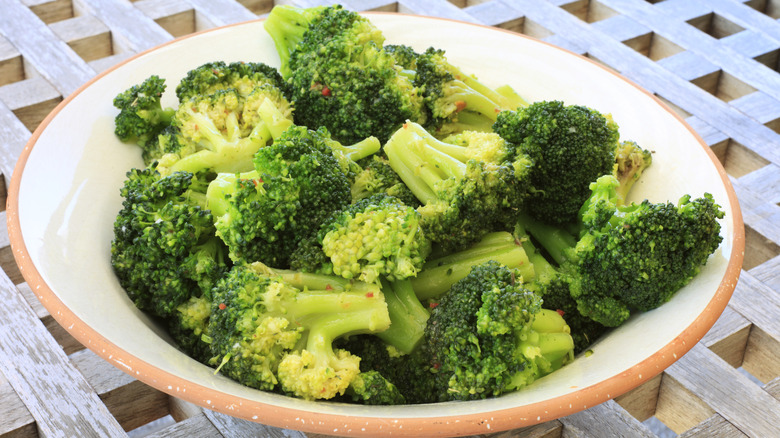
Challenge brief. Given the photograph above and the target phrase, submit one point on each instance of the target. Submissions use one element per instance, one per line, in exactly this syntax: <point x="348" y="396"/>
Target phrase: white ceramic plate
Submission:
<point x="65" y="194"/>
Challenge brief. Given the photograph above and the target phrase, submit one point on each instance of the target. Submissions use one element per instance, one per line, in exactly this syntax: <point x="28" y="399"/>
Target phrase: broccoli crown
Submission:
<point x="218" y="75"/>
<point x="376" y="236"/>
<point x="308" y="256"/>
<point x="274" y="330"/>
<point x="462" y="198"/>
<point x="371" y="388"/>
<point x="141" y="116"/>
<point x="570" y="147"/>
<point x="377" y="176"/>
<point x="488" y="335"/>
<point x="189" y="327"/>
<point x="296" y="184"/>
<point x="163" y="251"/>
<point x="450" y="97"/>
<point x="341" y="78"/>
<point x="405" y="56"/>
<point x="631" y="160"/>
<point x="642" y="254"/>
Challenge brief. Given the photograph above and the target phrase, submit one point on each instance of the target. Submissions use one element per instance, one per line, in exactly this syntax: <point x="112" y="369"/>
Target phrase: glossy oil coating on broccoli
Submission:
<point x="219" y="75"/>
<point x="275" y="330"/>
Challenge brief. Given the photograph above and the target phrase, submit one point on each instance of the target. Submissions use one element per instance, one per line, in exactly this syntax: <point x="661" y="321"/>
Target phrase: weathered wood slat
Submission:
<point x="220" y="13"/>
<point x="132" y="30"/>
<point x="61" y="401"/>
<point x="609" y="418"/>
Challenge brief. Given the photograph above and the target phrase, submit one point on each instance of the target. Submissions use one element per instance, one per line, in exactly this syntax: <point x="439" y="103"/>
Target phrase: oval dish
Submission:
<point x="64" y="196"/>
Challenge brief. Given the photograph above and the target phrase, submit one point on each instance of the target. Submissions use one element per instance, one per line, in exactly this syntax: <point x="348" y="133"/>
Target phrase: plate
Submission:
<point x="64" y="196"/>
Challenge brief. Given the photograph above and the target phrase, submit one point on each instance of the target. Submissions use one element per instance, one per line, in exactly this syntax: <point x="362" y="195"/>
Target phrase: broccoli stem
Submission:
<point x="359" y="150"/>
<point x="420" y="165"/>
<point x="286" y="25"/>
<point x="554" y="240"/>
<point x="512" y="98"/>
<point x="438" y="275"/>
<point x="407" y="315"/>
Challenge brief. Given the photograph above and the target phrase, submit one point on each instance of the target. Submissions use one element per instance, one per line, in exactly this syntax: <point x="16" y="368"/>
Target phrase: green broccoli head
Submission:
<point x="570" y="147"/>
<point x="340" y="77"/>
<point x="375" y="237"/>
<point x="164" y="250"/>
<point x="223" y="130"/>
<point x="642" y="254"/>
<point x="274" y="330"/>
<point x="377" y="176"/>
<point x="489" y="335"/>
<point x="371" y="388"/>
<point x="188" y="325"/>
<point x="218" y="75"/>
<point x="463" y="199"/>
<point x="141" y="115"/>
<point x="297" y="183"/>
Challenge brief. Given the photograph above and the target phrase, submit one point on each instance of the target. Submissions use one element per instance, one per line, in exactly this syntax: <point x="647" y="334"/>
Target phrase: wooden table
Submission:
<point x="714" y="61"/>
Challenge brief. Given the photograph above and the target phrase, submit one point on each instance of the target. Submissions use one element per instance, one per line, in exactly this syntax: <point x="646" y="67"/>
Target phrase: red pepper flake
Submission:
<point x="328" y="287"/>
<point x="326" y="91"/>
<point x="560" y="312"/>
<point x="196" y="127"/>
<point x="215" y="71"/>
<point x="433" y="305"/>
<point x="436" y="365"/>
<point x="257" y="181"/>
<point x="222" y="306"/>
<point x="369" y="295"/>
<point x="323" y="389"/>
<point x="460" y="105"/>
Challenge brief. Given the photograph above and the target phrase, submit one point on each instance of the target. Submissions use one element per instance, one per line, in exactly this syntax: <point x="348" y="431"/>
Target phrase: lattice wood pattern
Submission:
<point x="715" y="62"/>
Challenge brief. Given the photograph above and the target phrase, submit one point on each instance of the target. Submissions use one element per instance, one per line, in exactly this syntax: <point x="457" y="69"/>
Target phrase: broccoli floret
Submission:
<point x="225" y="129"/>
<point x="338" y="74"/>
<point x="441" y="271"/>
<point x="188" y="326"/>
<point x="297" y="183"/>
<point x="489" y="335"/>
<point x="214" y="76"/>
<point x="274" y="330"/>
<point x="164" y="249"/>
<point x="371" y="388"/>
<point x="570" y="147"/>
<point x="141" y="115"/>
<point x="376" y="236"/>
<point x="377" y="176"/>
<point x="462" y="198"/>
<point x="632" y="257"/>
<point x="457" y="101"/>
<point x="631" y="160"/>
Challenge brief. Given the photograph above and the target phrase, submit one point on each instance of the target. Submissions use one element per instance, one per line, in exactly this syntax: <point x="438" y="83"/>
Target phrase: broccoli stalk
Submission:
<point x="440" y="272"/>
<point x="407" y="315"/>
<point x="272" y="329"/>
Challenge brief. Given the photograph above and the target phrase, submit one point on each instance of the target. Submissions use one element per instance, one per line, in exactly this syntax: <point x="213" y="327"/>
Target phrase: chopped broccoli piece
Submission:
<point x="570" y="147"/>
<point x="462" y="198"/>
<point x="371" y="388"/>
<point x="164" y="249"/>
<point x="141" y="115"/>
<point x="274" y="330"/>
<point x="338" y="74"/>
<point x="377" y="176"/>
<point x="408" y="316"/>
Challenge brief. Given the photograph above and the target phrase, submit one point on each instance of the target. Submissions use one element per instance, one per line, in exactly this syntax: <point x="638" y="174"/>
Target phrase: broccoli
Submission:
<point x="630" y="257"/>
<point x="188" y="325"/>
<point x="570" y="147"/>
<point x="338" y="74"/>
<point x="223" y="130"/>
<point x="487" y="336"/>
<point x="164" y="249"/>
<point x="376" y="236"/>
<point x="274" y="329"/>
<point x="298" y="181"/>
<point x="371" y="388"/>
<point x="441" y="271"/>
<point x="377" y="176"/>
<point x="243" y="77"/>
<point x="408" y="316"/>
<point x="462" y="198"/>
<point x="141" y="115"/>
